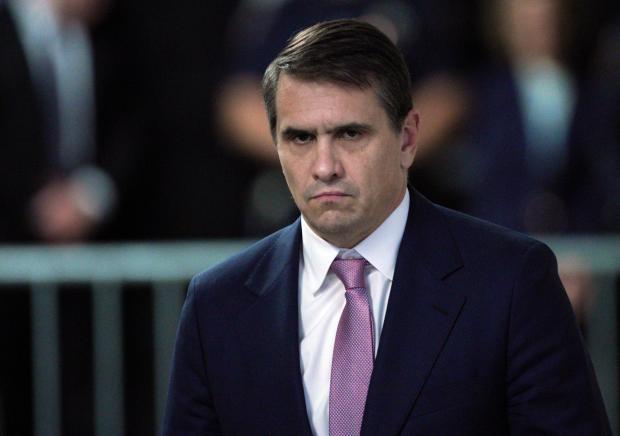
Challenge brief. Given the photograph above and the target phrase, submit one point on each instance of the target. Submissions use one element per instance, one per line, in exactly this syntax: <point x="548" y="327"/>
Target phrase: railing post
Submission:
<point x="45" y="360"/>
<point x="108" y="371"/>
<point x="167" y="302"/>
<point x="602" y="338"/>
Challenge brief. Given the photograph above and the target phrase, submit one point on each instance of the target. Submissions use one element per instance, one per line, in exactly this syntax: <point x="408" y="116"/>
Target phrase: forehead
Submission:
<point x="308" y="103"/>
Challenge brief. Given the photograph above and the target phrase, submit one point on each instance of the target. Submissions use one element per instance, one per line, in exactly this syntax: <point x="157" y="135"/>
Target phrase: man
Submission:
<point x="377" y="312"/>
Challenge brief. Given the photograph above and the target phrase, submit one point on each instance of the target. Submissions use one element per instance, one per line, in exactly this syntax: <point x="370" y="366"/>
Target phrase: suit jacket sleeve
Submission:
<point x="551" y="386"/>
<point x="189" y="408"/>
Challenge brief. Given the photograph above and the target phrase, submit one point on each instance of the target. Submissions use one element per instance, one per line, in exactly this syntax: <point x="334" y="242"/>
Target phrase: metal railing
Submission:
<point x="168" y="267"/>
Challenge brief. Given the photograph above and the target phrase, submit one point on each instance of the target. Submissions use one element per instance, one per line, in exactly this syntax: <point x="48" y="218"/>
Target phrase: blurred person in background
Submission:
<point x="67" y="129"/>
<point x="534" y="158"/>
<point x="435" y="37"/>
<point x="603" y="113"/>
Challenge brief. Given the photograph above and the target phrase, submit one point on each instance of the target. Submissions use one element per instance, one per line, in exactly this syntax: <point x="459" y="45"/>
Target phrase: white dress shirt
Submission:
<point x="321" y="297"/>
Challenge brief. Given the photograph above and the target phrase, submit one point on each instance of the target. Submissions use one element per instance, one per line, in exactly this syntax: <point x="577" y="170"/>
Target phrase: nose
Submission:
<point x="327" y="166"/>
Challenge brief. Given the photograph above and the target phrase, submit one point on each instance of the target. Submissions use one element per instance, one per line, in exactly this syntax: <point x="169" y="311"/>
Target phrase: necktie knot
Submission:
<point x="350" y="272"/>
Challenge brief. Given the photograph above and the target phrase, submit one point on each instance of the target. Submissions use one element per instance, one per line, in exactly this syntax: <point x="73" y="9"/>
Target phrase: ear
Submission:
<point x="409" y="138"/>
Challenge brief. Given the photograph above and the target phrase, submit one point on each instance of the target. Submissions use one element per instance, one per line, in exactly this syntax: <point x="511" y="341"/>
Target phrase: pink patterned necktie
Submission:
<point x="353" y="352"/>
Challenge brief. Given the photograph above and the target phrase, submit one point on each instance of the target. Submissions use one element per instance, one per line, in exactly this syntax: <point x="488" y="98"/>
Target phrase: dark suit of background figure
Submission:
<point x="602" y="115"/>
<point x="461" y="352"/>
<point x="574" y="197"/>
<point x="25" y="166"/>
<point x="539" y="92"/>
<point x="153" y="86"/>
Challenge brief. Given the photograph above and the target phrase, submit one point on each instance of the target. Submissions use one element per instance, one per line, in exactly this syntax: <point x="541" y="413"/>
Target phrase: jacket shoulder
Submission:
<point x="492" y="252"/>
<point x="233" y="273"/>
<point x="474" y="235"/>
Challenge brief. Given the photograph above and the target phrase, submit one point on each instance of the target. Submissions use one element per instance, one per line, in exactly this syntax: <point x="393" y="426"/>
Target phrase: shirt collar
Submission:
<point x="380" y="248"/>
<point x="317" y="255"/>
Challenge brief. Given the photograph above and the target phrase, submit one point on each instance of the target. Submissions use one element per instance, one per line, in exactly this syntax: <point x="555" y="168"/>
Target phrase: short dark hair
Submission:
<point x="347" y="52"/>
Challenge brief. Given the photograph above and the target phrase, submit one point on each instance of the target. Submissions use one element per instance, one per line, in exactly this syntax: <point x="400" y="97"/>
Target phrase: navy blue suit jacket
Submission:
<point x="479" y="339"/>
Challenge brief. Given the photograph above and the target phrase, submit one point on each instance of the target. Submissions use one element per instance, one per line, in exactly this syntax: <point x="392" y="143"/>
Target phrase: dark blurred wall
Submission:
<point x="191" y="187"/>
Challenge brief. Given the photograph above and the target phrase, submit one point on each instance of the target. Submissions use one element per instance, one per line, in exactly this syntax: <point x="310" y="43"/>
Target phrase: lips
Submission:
<point x="329" y="195"/>
<point x="319" y="191"/>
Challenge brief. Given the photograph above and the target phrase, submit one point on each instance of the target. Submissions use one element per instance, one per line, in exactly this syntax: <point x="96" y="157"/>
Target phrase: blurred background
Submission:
<point x="135" y="151"/>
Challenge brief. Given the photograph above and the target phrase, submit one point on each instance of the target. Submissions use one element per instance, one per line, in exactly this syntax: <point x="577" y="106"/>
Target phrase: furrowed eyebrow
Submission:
<point x="291" y="132"/>
<point x="359" y="127"/>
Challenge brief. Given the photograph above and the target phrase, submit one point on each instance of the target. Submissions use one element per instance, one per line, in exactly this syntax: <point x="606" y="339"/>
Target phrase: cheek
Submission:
<point x="290" y="181"/>
<point x="294" y="179"/>
<point x="385" y="175"/>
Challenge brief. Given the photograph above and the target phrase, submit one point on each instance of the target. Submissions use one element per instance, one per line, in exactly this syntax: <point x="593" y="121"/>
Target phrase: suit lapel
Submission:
<point x="421" y="313"/>
<point x="269" y="333"/>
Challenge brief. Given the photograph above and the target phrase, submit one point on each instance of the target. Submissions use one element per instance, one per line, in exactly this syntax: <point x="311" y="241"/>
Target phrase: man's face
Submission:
<point x="344" y="163"/>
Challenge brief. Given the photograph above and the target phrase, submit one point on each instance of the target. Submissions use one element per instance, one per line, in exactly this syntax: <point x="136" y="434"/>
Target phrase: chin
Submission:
<point x="335" y="226"/>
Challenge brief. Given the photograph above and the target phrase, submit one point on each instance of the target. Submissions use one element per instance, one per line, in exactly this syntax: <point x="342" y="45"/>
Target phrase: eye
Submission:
<point x="302" y="138"/>
<point x="350" y="134"/>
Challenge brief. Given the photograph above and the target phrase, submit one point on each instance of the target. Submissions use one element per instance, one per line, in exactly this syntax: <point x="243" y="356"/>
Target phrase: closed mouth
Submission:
<point x="329" y="194"/>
